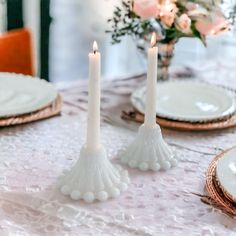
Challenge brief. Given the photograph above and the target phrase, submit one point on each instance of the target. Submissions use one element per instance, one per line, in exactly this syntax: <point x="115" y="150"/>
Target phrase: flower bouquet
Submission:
<point x="171" y="20"/>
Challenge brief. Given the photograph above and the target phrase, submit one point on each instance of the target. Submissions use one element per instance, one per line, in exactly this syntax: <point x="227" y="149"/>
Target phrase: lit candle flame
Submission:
<point x="153" y="39"/>
<point x="95" y="47"/>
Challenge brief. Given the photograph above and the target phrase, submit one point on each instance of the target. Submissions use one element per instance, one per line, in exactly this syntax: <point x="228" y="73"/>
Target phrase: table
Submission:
<point x="34" y="156"/>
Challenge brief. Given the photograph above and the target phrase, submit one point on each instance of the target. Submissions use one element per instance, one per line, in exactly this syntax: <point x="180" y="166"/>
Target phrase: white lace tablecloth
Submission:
<point x="34" y="156"/>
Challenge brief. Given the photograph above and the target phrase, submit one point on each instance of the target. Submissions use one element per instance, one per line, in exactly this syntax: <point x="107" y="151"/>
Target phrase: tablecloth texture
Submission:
<point x="35" y="155"/>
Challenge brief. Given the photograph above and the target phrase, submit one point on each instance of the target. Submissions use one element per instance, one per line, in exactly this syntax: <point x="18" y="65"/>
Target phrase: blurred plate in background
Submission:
<point x="20" y="94"/>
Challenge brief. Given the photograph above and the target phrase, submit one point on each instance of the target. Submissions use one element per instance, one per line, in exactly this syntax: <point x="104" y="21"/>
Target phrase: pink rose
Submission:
<point x="146" y="8"/>
<point x="183" y="24"/>
<point x="216" y="25"/>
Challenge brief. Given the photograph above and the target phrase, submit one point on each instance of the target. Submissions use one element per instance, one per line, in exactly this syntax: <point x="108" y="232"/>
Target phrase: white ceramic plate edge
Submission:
<point x="138" y="103"/>
<point x="47" y="100"/>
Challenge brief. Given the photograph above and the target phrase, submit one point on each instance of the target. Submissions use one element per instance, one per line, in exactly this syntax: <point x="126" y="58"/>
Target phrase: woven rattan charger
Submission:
<point x="49" y="111"/>
<point x="228" y="122"/>
<point x="216" y="192"/>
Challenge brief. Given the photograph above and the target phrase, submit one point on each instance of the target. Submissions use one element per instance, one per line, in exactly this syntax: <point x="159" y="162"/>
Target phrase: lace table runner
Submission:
<point x="34" y="156"/>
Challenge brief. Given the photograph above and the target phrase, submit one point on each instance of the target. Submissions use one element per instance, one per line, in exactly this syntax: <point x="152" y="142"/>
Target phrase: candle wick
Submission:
<point x="95" y="51"/>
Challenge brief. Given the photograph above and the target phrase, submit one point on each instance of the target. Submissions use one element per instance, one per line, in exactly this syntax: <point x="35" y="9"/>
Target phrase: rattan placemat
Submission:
<point x="186" y="126"/>
<point x="216" y="191"/>
<point x="49" y="111"/>
<point x="183" y="126"/>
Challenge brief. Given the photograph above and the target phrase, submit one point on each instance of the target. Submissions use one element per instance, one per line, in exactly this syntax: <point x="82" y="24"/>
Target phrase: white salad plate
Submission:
<point x="226" y="172"/>
<point x="189" y="101"/>
<point x="20" y="94"/>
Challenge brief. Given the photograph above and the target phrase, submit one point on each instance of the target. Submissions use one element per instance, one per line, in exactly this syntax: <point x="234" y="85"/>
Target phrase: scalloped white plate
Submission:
<point x="189" y="101"/>
<point x="226" y="172"/>
<point x="20" y="94"/>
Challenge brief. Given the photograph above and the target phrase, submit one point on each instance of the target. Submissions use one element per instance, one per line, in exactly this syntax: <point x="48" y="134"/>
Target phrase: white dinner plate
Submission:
<point x="188" y="101"/>
<point x="226" y="172"/>
<point x="20" y="94"/>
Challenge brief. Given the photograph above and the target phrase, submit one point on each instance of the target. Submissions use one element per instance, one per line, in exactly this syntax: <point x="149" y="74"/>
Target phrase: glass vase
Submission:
<point x="165" y="55"/>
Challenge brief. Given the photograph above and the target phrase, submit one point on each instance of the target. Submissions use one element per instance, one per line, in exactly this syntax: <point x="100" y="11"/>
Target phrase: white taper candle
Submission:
<point x="151" y="92"/>
<point x="93" y="125"/>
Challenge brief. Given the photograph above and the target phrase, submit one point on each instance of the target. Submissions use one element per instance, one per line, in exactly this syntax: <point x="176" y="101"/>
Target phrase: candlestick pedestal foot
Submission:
<point x="94" y="177"/>
<point x="149" y="151"/>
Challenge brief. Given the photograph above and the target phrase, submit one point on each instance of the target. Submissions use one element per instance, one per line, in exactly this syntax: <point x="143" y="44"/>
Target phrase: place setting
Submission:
<point x="25" y="99"/>
<point x="187" y="106"/>
<point x="220" y="183"/>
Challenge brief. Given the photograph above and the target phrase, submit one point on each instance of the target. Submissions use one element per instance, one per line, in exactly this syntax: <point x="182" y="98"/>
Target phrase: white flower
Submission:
<point x="198" y="11"/>
<point x="168" y="14"/>
<point x="183" y="24"/>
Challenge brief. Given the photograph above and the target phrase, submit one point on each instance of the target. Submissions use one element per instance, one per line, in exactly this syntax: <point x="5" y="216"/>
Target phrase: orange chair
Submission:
<point x="16" y="52"/>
